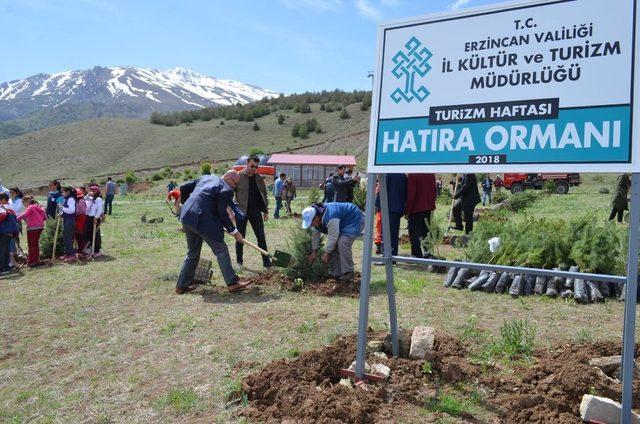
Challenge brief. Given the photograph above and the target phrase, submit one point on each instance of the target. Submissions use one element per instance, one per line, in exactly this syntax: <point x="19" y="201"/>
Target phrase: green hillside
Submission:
<point x="98" y="147"/>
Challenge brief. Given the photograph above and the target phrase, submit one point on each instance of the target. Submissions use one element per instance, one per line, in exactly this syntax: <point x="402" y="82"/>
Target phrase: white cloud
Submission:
<point x="367" y="10"/>
<point x="458" y="4"/>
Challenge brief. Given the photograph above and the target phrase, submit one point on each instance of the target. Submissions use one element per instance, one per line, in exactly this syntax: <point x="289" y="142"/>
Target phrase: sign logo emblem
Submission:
<point x="409" y="63"/>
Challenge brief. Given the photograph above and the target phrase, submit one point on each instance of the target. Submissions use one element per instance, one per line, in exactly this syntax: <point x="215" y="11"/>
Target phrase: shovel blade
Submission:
<point x="282" y="259"/>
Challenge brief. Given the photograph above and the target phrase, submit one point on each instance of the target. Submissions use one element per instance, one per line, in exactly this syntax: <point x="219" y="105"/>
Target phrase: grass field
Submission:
<point x="85" y="149"/>
<point x="110" y="341"/>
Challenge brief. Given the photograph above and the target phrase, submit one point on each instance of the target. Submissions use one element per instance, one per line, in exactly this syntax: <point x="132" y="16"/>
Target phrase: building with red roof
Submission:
<point x="309" y="170"/>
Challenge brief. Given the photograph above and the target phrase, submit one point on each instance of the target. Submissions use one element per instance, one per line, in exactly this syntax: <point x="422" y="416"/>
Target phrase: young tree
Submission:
<point x="130" y="177"/>
<point x="303" y="132"/>
<point x="256" y="127"/>
<point x="280" y="119"/>
<point x="305" y="108"/>
<point x="205" y="168"/>
<point x="344" y="114"/>
<point x="295" y="131"/>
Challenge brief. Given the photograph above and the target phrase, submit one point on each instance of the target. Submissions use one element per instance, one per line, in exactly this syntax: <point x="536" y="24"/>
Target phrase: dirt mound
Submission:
<point x="306" y="389"/>
<point x="552" y="389"/>
<point x="329" y="287"/>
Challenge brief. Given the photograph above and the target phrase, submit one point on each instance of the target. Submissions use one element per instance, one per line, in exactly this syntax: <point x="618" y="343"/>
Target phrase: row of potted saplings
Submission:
<point x="582" y="291"/>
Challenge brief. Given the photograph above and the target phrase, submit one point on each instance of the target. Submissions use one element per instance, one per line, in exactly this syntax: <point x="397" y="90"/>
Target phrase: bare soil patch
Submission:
<point x="306" y="389"/>
<point x="328" y="287"/>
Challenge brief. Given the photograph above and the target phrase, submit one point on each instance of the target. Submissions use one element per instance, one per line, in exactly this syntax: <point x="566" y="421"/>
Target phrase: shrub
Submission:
<point x="360" y="197"/>
<point x="595" y="249"/>
<point x="344" y="114"/>
<point x="305" y="108"/>
<point x="256" y="127"/>
<point x="323" y="106"/>
<point x="549" y="187"/>
<point x="280" y="119"/>
<point x="299" y="246"/>
<point x="156" y="177"/>
<point x="46" y="239"/>
<point x="303" y="132"/>
<point x="366" y="102"/>
<point x="167" y="172"/>
<point x="295" y="130"/>
<point x="329" y="108"/>
<point x="547" y="243"/>
<point x="205" y="168"/>
<point x="314" y="195"/>
<point x="130" y="177"/>
<point x="500" y="196"/>
<point x="256" y="151"/>
<point x="522" y="200"/>
<point x="221" y="123"/>
<point x="119" y="181"/>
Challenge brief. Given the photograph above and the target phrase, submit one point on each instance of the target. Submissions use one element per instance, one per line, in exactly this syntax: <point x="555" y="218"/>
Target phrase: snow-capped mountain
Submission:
<point x="123" y="91"/>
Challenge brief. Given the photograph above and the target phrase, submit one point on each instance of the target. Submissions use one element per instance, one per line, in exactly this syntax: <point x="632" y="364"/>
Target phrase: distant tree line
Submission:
<point x="298" y="103"/>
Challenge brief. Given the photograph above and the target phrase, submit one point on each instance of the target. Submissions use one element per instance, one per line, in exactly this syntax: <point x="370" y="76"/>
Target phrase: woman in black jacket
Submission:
<point x="467" y="197"/>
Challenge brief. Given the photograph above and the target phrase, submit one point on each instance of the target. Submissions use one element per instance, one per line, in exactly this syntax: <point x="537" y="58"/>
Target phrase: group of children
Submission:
<point x="80" y="209"/>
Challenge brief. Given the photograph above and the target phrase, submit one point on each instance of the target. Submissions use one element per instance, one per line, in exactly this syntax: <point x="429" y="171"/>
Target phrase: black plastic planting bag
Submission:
<point x="605" y="289"/>
<point x="478" y="282"/>
<point x="503" y="283"/>
<point x="566" y="294"/>
<point x="619" y="289"/>
<point x="580" y="293"/>
<point x="517" y="287"/>
<point x="490" y="285"/>
<point x="568" y="284"/>
<point x="529" y="284"/>
<point x="451" y="275"/>
<point x="594" y="292"/>
<point x="541" y="285"/>
<point x="459" y="281"/>
<point x="554" y="284"/>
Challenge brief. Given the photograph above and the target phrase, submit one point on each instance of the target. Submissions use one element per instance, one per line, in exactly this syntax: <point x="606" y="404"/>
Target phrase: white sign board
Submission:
<point x="518" y="87"/>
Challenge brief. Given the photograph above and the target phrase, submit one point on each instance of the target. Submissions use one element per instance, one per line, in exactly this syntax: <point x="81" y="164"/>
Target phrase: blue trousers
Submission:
<point x="276" y="214"/>
<point x="394" y="228"/>
<point x="67" y="234"/>
<point x="194" y="246"/>
<point x="486" y="195"/>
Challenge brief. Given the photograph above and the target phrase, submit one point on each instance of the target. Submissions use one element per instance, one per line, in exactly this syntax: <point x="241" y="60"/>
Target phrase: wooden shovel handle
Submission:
<point x="248" y="243"/>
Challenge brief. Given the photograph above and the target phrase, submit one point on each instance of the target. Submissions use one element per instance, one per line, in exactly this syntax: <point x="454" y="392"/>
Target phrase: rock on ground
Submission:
<point x="375" y="346"/>
<point x="601" y="409"/>
<point x="381" y="370"/>
<point x="422" y="340"/>
<point x="608" y="364"/>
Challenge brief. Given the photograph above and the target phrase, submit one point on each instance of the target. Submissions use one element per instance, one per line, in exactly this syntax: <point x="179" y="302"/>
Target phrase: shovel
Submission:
<point x="279" y="259"/>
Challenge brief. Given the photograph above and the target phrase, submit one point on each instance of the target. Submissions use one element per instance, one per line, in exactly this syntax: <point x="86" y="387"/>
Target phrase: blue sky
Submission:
<point x="285" y="45"/>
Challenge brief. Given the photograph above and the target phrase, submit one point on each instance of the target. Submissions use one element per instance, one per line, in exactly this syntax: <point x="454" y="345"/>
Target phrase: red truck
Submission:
<point x="519" y="182"/>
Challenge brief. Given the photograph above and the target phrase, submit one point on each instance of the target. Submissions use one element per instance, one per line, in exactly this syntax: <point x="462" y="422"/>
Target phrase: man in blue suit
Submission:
<point x="204" y="217"/>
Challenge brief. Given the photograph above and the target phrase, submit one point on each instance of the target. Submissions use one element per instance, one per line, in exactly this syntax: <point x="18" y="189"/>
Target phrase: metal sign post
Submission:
<point x="528" y="86"/>
<point x="630" y="299"/>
